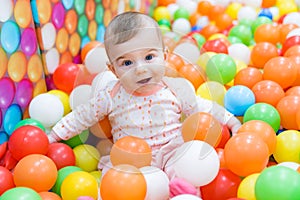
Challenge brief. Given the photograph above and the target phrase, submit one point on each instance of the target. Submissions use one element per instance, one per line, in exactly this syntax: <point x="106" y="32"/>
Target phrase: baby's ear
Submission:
<point x="110" y="67"/>
<point x="166" y="53"/>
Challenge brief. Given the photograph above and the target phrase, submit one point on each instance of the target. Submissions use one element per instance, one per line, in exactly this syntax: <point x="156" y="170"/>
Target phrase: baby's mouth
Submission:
<point x="143" y="81"/>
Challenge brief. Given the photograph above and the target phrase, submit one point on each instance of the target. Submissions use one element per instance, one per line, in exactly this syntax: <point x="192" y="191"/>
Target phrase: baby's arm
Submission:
<point x="81" y="118"/>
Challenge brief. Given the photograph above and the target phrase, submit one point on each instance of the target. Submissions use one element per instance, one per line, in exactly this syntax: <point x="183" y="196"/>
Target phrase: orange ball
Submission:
<point x="281" y="70"/>
<point x="175" y="60"/>
<point x="220" y="153"/>
<point x="293" y="51"/>
<point x="268" y="91"/>
<point x="202" y="126"/>
<point x="102" y="129"/>
<point x="49" y="196"/>
<point x="246" y="154"/>
<point x="193" y="73"/>
<point x="262" y="130"/>
<point x="268" y="3"/>
<point x="165" y="2"/>
<point x="294" y="91"/>
<point x="296" y="60"/>
<point x="262" y="52"/>
<point x="284" y="30"/>
<point x="209" y="30"/>
<point x="35" y="171"/>
<point x="272" y="36"/>
<point x="204" y="7"/>
<point x="132" y="151"/>
<point x="248" y="76"/>
<point x="215" y="11"/>
<point x="123" y="182"/>
<point x="288" y="107"/>
<point x="223" y="21"/>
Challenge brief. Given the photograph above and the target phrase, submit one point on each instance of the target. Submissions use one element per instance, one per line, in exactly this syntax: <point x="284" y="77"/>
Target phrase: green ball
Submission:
<point x="264" y="112"/>
<point x="181" y="13"/>
<point x="243" y="32"/>
<point x="78" y="139"/>
<point x="260" y="21"/>
<point x="234" y="40"/>
<point x="221" y="68"/>
<point x="61" y="175"/>
<point x="200" y="39"/>
<point x="20" y="193"/>
<point x="164" y="22"/>
<point x="31" y="122"/>
<point x="278" y="183"/>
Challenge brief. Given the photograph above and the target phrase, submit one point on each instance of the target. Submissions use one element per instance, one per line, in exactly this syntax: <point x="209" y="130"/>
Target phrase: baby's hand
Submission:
<point x="234" y="124"/>
<point x="52" y="137"/>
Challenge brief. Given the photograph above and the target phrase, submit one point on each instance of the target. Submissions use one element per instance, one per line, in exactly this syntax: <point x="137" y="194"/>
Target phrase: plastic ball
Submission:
<point x="78" y="139"/>
<point x="193" y="73"/>
<point x="264" y="112"/>
<point x="181" y="26"/>
<point x="35" y="171"/>
<point x="221" y="68"/>
<point x="287" y="147"/>
<point x="78" y="184"/>
<point x="239" y="51"/>
<point x="64" y="76"/>
<point x="196" y="161"/>
<point x="267" y="91"/>
<point x="186" y="196"/>
<point x="157" y="183"/>
<point x="181" y="12"/>
<point x="161" y="12"/>
<point x="61" y="154"/>
<point x="6" y="180"/>
<point x="104" y="146"/>
<point x="119" y="181"/>
<point x="261" y="53"/>
<point x="277" y="182"/>
<point x="64" y="98"/>
<point x="262" y="130"/>
<point x="202" y="126"/>
<point x="31" y="122"/>
<point x="246" y="189"/>
<point x="21" y="193"/>
<point x="46" y="108"/>
<point x="188" y="50"/>
<point x="246" y="154"/>
<point x="61" y="175"/>
<point x="238" y="99"/>
<point x="87" y="157"/>
<point x="293" y="91"/>
<point x="281" y="70"/>
<point x="216" y="46"/>
<point x="28" y="140"/>
<point x="132" y="151"/>
<point x="289" y="42"/>
<point x="212" y="90"/>
<point x="288" y="107"/>
<point x="248" y="77"/>
<point x="243" y="32"/>
<point x="80" y="95"/>
<point x="49" y="196"/>
<point x="224" y="186"/>
<point x="102" y="129"/>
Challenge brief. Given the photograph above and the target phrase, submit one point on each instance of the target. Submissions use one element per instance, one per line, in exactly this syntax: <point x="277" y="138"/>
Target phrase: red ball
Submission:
<point x="28" y="140"/>
<point x="224" y="186"/>
<point x="62" y="155"/>
<point x="289" y="42"/>
<point x="225" y="137"/>
<point x="65" y="75"/>
<point x="216" y="46"/>
<point x="3" y="148"/>
<point x="6" y="180"/>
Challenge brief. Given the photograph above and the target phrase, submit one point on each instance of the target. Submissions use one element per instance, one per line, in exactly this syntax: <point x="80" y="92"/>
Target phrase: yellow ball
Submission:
<point x="161" y="12"/>
<point x="286" y="7"/>
<point x="233" y="9"/>
<point x="288" y="147"/>
<point x="78" y="184"/>
<point x="212" y="90"/>
<point x="87" y="157"/>
<point x="217" y="36"/>
<point x="97" y="175"/>
<point x="64" y="98"/>
<point x="246" y="189"/>
<point x="204" y="58"/>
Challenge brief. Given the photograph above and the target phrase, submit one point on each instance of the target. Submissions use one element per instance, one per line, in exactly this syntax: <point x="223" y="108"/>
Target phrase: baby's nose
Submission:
<point x="140" y="69"/>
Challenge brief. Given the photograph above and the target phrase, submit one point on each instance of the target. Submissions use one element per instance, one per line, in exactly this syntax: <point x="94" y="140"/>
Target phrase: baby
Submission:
<point x="142" y="102"/>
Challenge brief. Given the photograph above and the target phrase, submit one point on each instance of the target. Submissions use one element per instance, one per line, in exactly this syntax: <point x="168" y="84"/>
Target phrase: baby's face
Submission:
<point x="139" y="62"/>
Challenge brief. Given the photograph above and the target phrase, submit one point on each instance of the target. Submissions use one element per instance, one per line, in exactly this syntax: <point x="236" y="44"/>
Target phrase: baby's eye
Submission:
<point x="127" y="62"/>
<point x="149" y="57"/>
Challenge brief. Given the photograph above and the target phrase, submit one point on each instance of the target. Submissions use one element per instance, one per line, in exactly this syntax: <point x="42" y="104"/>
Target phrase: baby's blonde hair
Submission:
<point x="126" y="25"/>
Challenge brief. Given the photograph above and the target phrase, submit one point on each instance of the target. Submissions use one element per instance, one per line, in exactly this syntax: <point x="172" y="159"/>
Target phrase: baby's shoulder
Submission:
<point x="178" y="84"/>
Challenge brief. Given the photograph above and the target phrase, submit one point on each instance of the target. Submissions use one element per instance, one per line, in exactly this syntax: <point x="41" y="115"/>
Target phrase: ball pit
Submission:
<point x="52" y="48"/>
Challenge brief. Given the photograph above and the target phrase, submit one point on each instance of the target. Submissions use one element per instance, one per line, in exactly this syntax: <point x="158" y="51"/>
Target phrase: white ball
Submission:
<point x="186" y="197"/>
<point x="157" y="183"/>
<point x="197" y="162"/>
<point x="293" y="32"/>
<point x="247" y="12"/>
<point x="80" y="95"/>
<point x="292" y="18"/>
<point x="101" y="80"/>
<point x="181" y="26"/>
<point x="240" y="52"/>
<point x="172" y="9"/>
<point x="49" y="35"/>
<point x="291" y="165"/>
<point x="96" y="60"/>
<point x="187" y="51"/>
<point x="47" y="109"/>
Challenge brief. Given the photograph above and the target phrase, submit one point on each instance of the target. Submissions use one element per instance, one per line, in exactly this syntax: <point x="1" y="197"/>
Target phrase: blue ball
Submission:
<point x="265" y="13"/>
<point x="238" y="99"/>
